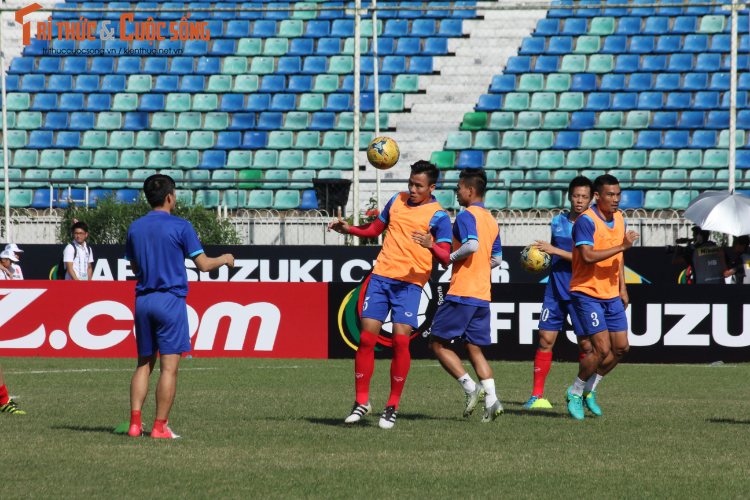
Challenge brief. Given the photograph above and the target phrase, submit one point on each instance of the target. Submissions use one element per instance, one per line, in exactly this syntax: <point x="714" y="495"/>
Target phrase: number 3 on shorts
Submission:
<point x="594" y="320"/>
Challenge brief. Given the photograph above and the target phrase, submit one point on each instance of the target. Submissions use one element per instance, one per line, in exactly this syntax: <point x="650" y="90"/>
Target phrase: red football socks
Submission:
<point x="399" y="368"/>
<point x="364" y="365"/>
<point x="135" y="418"/>
<point x="4" y="395"/>
<point x="159" y="424"/>
<point x="542" y="363"/>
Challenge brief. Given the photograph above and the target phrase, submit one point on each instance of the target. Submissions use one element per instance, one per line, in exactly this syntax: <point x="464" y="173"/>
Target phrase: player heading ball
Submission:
<point x="157" y="246"/>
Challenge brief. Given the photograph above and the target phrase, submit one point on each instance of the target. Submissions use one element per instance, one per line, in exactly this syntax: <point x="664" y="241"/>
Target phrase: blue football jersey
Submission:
<point x="562" y="270"/>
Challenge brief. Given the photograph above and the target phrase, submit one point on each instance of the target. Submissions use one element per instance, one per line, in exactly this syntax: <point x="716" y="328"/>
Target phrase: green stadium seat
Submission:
<point x="681" y="198"/>
<point x="723" y="175"/>
<point x="311" y="102"/>
<point x="189" y="121"/>
<point x="711" y="24"/>
<point x="60" y="173"/>
<point x="265" y="159"/>
<point x="201" y="140"/>
<point x="458" y="141"/>
<point x="90" y="174"/>
<point x="578" y="159"/>
<point x="558" y="82"/>
<point x="486" y="140"/>
<point x="392" y="103"/>
<point x="296" y="120"/>
<point x="21" y="198"/>
<point x="185" y="158"/>
<point x="276" y="175"/>
<point x="121" y="139"/>
<point x="16" y="173"/>
<point x="17" y="101"/>
<point x="572" y="64"/>
<point x="17" y="139"/>
<point x="177" y="103"/>
<point x="661" y="158"/>
<point x="103" y="159"/>
<point x="246" y="84"/>
<point x="109" y="121"/>
<point x="555" y="120"/>
<point x="510" y="178"/>
<point x="443" y="159"/>
<point x="219" y="84"/>
<point x="600" y="63"/>
<point x="445" y="197"/>
<point x="259" y="199"/>
<point x="216" y="121"/>
<point x="365" y="138"/>
<point x="275" y="47"/>
<point x="156" y="159"/>
<point x="348" y="49"/>
<point x="551" y="160"/>
<point x="549" y="199"/>
<point x="326" y="84"/>
<point x="343" y="160"/>
<point x="406" y="84"/>
<point x="258" y="66"/>
<point x="618" y="139"/>
<point x="330" y="174"/>
<point x="134" y="158"/>
<point x="239" y="159"/>
<point x="118" y="177"/>
<point x="205" y="102"/>
<point x="10" y="117"/>
<point x="345" y="122"/>
<point x="222" y="175"/>
<point x="472" y="121"/>
<point x="638" y="120"/>
<point x="565" y="175"/>
<point x="36" y="178"/>
<point x="540" y="140"/>
<point x="171" y="172"/>
<point x="234" y="199"/>
<point x="198" y="175"/>
<point x="657" y="199"/>
<point x="55" y="158"/>
<point x="602" y="26"/>
<point x="317" y="160"/>
<point x="543" y="101"/>
<point x="606" y="159"/>
<point x="633" y="158"/>
<point x="570" y="101"/>
<point x="247" y="47"/>
<point x="497" y="160"/>
<point x="175" y="139"/>
<point x="670" y="174"/>
<point x="140" y="83"/>
<point x="622" y="176"/>
<point x="525" y="159"/>
<point x="739" y="138"/>
<point x="280" y="140"/>
<point x="29" y="120"/>
<point x="286" y="200"/>
<point x="302" y="174"/>
<point x="640" y="175"/>
<point x="537" y="175"/>
<point x="610" y="120"/>
<point x="124" y="102"/>
<point x="592" y="173"/>
<point x="587" y="45"/>
<point x="496" y="199"/>
<point x="522" y="200"/>
<point x="715" y="158"/>
<point x="185" y="197"/>
<point x="139" y="175"/>
<point x="501" y="120"/>
<point x="148" y="139"/>
<point x="209" y="198"/>
<point x="307" y="15"/>
<point x="593" y="139"/>
<point x="370" y="121"/>
<point x="290" y="28"/>
<point x="530" y="82"/>
<point x="163" y="121"/>
<point x="528" y="120"/>
<point x="250" y="175"/>
<point x="291" y="159"/>
<point x="514" y="140"/>
<point x="516" y="101"/>
<point x="25" y="158"/>
<point x="701" y="174"/>
<point x="341" y="65"/>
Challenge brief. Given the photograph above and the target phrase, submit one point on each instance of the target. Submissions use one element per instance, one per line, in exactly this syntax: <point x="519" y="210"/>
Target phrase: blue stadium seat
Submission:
<point x="98" y="102"/>
<point x="181" y="66"/>
<point x="44" y="198"/>
<point x="680" y="63"/>
<point x="64" y="46"/>
<point x="75" y="65"/>
<point x="348" y="84"/>
<point x="706" y="100"/>
<point x="684" y="25"/>
<point x="668" y="44"/>
<point x="127" y="196"/>
<point x="72" y="194"/>
<point x="151" y="102"/>
<point x="261" y="29"/>
<point x="451" y="28"/>
<point x="582" y="82"/>
<point x="272" y="84"/>
<point x="614" y="45"/>
<point x="741" y="100"/>
<point x="193" y="83"/>
<point x="328" y="47"/>
<point x="420" y="65"/>
<point x="70" y="102"/>
<point x="299" y="84"/>
<point x="507" y="83"/>
<point x="697" y="11"/>
<point x="704" y="139"/>
<point x="567" y="140"/>
<point x="631" y="200"/>
<point x="489" y="102"/>
<point x="32" y="83"/>
<point x="208" y="66"/>
<point x="344" y="28"/>
<point x="322" y="121"/>
<point x="561" y="13"/>
<point x="44" y="102"/>
<point x="66" y="140"/>
<point x="278" y="15"/>
<point x="55" y="120"/>
<point x="337" y="103"/>
<point x="393" y="65"/>
<point x="678" y="100"/>
<point x="717" y="120"/>
<point x="113" y="84"/>
<point x="692" y="120"/>
<point x="82" y="121"/>
<point x="338" y="14"/>
<point x="114" y="47"/>
<point x="628" y="26"/>
<point x="664" y="120"/>
<point x="598" y="101"/>
<point x="228" y="140"/>
<point x="254" y="140"/>
<point x="517" y="64"/>
<point x="258" y="102"/>
<point x="432" y="47"/>
<point x="627" y="63"/>
<point x="708" y="63"/>
<point x="290" y="65"/>
<point x="470" y="159"/>
<point x="533" y="46"/>
<point x="213" y="159"/>
<point x="695" y="43"/>
<point x="385" y="83"/>
<point x="547" y="27"/>
<point x="624" y="101"/>
<point x="667" y="82"/>
<point x="546" y="64"/>
<point x="314" y="65"/>
<point x="318" y="29"/>
<point x="166" y="84"/>
<point x="423" y="28"/>
<point x="720" y="43"/>
<point x="40" y="139"/>
<point x="643" y="11"/>
<point x="242" y="121"/>
<point x="640" y="82"/>
<point x="612" y="83"/>
<point x="128" y="65"/>
<point x="240" y="28"/>
<point x="676" y="139"/>
<point x="90" y="45"/>
<point x="367" y="102"/>
<point x="743" y="63"/>
<point x="12" y="82"/>
<point x="155" y="65"/>
<point x="465" y="14"/>
<point x="196" y="48"/>
<point x="641" y="44"/>
<point x="270" y="121"/>
<point x="657" y="25"/>
<point x="135" y="121"/>
<point x="60" y="83"/>
<point x="574" y="27"/>
<point x="283" y="102"/>
<point x="743" y="161"/>
<point x="588" y="12"/>
<point x="694" y="82"/>
<point x="582" y="120"/>
<point x="309" y="200"/>
<point x="36" y="48"/>
<point x="743" y="120"/>
<point x="49" y="65"/>
<point x="648" y="139"/>
<point x="301" y="47"/>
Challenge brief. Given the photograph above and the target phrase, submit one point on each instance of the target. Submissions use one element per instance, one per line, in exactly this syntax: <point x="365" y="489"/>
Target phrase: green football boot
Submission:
<point x="589" y="401"/>
<point x="575" y="405"/>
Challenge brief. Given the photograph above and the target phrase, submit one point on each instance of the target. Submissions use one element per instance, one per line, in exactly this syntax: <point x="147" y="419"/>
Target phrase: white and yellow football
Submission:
<point x="383" y="153"/>
<point x="534" y="260"/>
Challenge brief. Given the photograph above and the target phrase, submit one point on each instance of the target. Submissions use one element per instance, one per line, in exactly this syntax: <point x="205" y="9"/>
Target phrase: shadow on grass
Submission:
<point x="535" y="413"/>
<point x="108" y="430"/>
<point x="727" y="421"/>
<point x="339" y="422"/>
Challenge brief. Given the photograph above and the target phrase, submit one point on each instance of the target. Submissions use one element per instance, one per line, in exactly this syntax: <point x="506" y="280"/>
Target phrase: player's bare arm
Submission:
<point x="623" y="288"/>
<point x="206" y="264"/>
<point x="591" y="256"/>
<point x="553" y="250"/>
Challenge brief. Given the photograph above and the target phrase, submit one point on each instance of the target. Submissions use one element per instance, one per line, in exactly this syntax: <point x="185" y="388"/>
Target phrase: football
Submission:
<point x="383" y="153"/>
<point x="534" y="260"/>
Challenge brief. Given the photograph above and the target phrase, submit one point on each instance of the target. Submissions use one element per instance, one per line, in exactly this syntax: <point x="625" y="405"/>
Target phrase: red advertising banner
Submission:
<point x="95" y="319"/>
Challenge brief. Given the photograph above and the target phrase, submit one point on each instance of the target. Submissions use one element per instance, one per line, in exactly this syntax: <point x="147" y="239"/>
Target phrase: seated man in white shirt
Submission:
<point x="15" y="268"/>
<point x="78" y="256"/>
<point x="7" y="258"/>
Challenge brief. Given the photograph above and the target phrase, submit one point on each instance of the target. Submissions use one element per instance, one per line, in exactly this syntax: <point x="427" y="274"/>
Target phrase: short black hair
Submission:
<point x="475" y="178"/>
<point x="605" y="180"/>
<point x="80" y="225"/>
<point x="427" y="168"/>
<point x="157" y="187"/>
<point x="742" y="240"/>
<point x="581" y="181"/>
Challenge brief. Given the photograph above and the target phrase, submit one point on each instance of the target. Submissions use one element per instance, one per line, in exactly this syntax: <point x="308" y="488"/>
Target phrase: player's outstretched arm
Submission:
<point x="206" y="264"/>
<point x="591" y="256"/>
<point x="553" y="250"/>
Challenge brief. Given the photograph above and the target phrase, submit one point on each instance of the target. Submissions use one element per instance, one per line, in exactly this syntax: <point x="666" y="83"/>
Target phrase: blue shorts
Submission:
<point x="401" y="298"/>
<point x="553" y="315"/>
<point x="597" y="315"/>
<point x="471" y="323"/>
<point x="161" y="324"/>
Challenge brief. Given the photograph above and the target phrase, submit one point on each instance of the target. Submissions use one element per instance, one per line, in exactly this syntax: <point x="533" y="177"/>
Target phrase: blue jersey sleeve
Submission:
<point x="129" y="247"/>
<point x="385" y="214"/>
<point x="583" y="231"/>
<point x="440" y="227"/>
<point x="190" y="241"/>
<point x="497" y="248"/>
<point x="467" y="226"/>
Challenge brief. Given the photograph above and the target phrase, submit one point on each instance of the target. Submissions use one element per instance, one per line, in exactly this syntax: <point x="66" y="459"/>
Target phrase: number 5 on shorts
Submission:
<point x="594" y="320"/>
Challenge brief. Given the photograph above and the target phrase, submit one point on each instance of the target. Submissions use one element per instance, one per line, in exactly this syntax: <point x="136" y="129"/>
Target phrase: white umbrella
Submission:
<point x="721" y="211"/>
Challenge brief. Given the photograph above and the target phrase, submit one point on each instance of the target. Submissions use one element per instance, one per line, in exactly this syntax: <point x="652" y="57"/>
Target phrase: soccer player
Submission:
<point x="157" y="246"/>
<point x="557" y="294"/>
<point x="465" y="314"/>
<point x="597" y="290"/>
<point x="402" y="269"/>
<point x="7" y="405"/>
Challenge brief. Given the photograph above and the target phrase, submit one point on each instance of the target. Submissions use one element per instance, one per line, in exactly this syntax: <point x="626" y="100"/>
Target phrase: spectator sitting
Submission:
<point x="78" y="256"/>
<point x="15" y="268"/>
<point x="738" y="258"/>
<point x="7" y="258"/>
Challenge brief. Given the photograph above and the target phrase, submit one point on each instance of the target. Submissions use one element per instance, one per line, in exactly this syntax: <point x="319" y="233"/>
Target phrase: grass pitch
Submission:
<point x="274" y="429"/>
